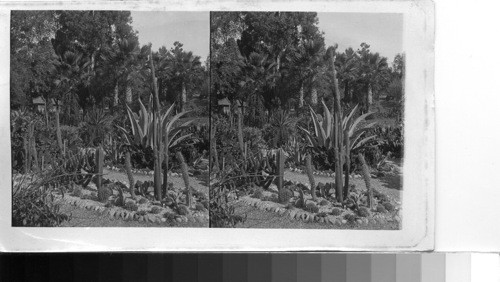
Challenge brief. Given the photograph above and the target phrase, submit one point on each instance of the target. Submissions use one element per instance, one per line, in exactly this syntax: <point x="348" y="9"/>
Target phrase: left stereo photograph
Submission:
<point x="109" y="118"/>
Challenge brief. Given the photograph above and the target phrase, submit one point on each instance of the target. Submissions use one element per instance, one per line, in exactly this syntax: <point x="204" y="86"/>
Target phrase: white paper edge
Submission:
<point x="419" y="176"/>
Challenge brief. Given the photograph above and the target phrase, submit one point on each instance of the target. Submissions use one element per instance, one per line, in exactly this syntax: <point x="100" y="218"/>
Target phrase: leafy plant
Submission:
<point x="33" y="201"/>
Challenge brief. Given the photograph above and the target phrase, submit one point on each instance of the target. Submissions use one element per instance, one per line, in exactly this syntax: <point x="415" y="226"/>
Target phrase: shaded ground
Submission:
<point x="88" y="218"/>
<point x="197" y="182"/>
<point x="262" y="219"/>
<point x="389" y="185"/>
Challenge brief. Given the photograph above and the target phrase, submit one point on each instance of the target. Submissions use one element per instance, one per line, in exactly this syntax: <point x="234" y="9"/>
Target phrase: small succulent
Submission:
<point x="77" y="191"/>
<point x="363" y="212"/>
<point x="323" y="202"/>
<point x="381" y="209"/>
<point x="350" y="217"/>
<point x="284" y="195"/>
<point x="170" y="216"/>
<point x="182" y="210"/>
<point x="205" y="204"/>
<point x="155" y="210"/>
<point x="199" y="207"/>
<point x="141" y="213"/>
<point x="311" y="207"/>
<point x="336" y="211"/>
<point x="388" y="206"/>
<point x="257" y="194"/>
<point x="104" y="194"/>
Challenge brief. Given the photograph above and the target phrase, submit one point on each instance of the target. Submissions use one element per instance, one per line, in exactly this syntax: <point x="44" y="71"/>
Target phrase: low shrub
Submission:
<point x="141" y="213"/>
<point x="388" y="206"/>
<point x="336" y="211"/>
<point x="257" y="194"/>
<point x="89" y="197"/>
<point x="381" y="209"/>
<point x="155" y="210"/>
<point x="142" y="201"/>
<point x="131" y="206"/>
<point x="182" y="210"/>
<point x="77" y="191"/>
<point x="311" y="207"/>
<point x="104" y="194"/>
<point x="350" y="217"/>
<point x="205" y="204"/>
<point x="33" y="206"/>
<point x="323" y="202"/>
<point x="382" y="198"/>
<point x="322" y="214"/>
<point x="363" y="212"/>
<point x="199" y="207"/>
<point x="285" y="195"/>
<point x="169" y="216"/>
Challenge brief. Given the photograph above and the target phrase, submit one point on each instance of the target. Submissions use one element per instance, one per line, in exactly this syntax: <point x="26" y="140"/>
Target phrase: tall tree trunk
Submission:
<point x="301" y="95"/>
<point x="183" y="97"/>
<point x="347" y="163"/>
<point x="347" y="93"/>
<point x="58" y="129"/>
<point x="128" y="169"/>
<point x="156" y="130"/>
<point x="213" y="149"/>
<point x="369" y="98"/>
<point x="165" y="170"/>
<point x="240" y="133"/>
<point x="314" y="96"/>
<point x="128" y="94"/>
<point x="116" y="99"/>
<point x="338" y="147"/>
<point x="46" y="110"/>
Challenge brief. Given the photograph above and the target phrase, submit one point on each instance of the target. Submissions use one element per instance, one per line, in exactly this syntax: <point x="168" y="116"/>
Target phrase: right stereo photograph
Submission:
<point x="306" y="120"/>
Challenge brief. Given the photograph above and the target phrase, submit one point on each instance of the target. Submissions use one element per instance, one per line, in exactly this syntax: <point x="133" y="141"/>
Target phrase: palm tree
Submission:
<point x="373" y="70"/>
<point x="185" y="68"/>
<point x="72" y="70"/>
<point x="310" y="64"/>
<point x="123" y="59"/>
<point x="347" y="64"/>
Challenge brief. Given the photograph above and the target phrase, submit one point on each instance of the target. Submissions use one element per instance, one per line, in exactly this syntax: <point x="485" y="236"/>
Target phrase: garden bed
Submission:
<point x="144" y="208"/>
<point x="261" y="208"/>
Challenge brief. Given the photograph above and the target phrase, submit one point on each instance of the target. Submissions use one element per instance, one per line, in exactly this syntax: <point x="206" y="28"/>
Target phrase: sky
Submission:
<point x="383" y="32"/>
<point x="164" y="28"/>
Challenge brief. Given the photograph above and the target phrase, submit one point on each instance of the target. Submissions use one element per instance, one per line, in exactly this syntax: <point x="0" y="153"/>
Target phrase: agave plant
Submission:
<point x="143" y="125"/>
<point x="324" y="137"/>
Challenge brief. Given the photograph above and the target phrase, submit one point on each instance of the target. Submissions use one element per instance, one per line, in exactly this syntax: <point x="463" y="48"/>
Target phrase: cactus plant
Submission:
<point x="284" y="195"/>
<point x="185" y="177"/>
<point x="99" y="160"/>
<point x="310" y="175"/>
<point x="366" y="177"/>
<point x="281" y="168"/>
<point x="128" y="169"/>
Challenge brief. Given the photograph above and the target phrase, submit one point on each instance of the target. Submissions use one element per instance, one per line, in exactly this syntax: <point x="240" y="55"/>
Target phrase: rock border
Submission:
<point x="305" y="216"/>
<point x="121" y="213"/>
